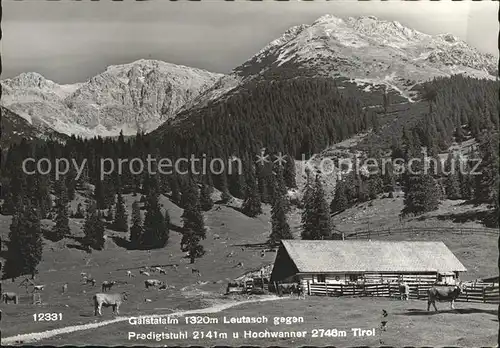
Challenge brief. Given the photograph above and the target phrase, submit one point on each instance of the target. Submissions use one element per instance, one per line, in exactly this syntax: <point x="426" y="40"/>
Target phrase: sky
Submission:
<point x="70" y="41"/>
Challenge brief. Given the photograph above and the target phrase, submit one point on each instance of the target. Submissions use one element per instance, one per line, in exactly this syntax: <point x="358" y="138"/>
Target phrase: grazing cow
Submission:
<point x="65" y="288"/>
<point x="160" y="270"/>
<point x="197" y="271"/>
<point x="129" y="274"/>
<point x="37" y="288"/>
<point x="107" y="285"/>
<point x="144" y="272"/>
<point x="10" y="296"/>
<point x="240" y="264"/>
<point x="84" y="275"/>
<point x="152" y="283"/>
<point x="404" y="291"/>
<point x="108" y="300"/>
<point x="231" y="254"/>
<point x="443" y="293"/>
<point x="90" y="281"/>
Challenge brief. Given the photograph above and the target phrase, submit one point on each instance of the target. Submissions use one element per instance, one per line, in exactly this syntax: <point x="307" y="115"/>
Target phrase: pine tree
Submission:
<point x="99" y="195"/>
<point x="193" y="224"/>
<point x="339" y="202"/>
<point x="206" y="201"/>
<point x="452" y="181"/>
<point x="375" y="186"/>
<point x="321" y="220"/>
<point x="486" y="183"/>
<point x="61" y="228"/>
<point x="422" y="195"/>
<point x="71" y="183"/>
<point x="278" y="188"/>
<point x="289" y="172"/>
<point x="120" y="222"/>
<point x="307" y="208"/>
<point x="25" y="246"/>
<point x="280" y="228"/>
<point x="156" y="233"/>
<point x="93" y="228"/>
<point x="136" y="230"/>
<point x="252" y="206"/>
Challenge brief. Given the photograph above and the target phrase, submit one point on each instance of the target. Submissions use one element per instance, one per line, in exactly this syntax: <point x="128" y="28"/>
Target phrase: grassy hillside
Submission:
<point x="228" y="231"/>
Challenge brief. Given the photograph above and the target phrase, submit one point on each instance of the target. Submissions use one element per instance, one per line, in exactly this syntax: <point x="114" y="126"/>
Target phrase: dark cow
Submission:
<point x="10" y="296"/>
<point x="404" y="291"/>
<point x="197" y="271"/>
<point x="443" y="293"/>
<point x="107" y="285"/>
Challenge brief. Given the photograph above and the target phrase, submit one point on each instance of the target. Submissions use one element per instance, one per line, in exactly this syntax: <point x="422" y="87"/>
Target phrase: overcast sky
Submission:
<point x="71" y="41"/>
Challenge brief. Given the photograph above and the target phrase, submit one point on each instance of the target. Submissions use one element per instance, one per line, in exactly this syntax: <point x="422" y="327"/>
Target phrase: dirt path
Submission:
<point x="37" y="336"/>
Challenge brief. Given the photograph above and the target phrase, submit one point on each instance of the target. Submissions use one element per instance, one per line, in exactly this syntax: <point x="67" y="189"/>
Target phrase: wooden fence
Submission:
<point x="368" y="234"/>
<point x="475" y="292"/>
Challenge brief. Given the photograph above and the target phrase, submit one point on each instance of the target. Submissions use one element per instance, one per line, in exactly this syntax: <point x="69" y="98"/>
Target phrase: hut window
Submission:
<point x="321" y="278"/>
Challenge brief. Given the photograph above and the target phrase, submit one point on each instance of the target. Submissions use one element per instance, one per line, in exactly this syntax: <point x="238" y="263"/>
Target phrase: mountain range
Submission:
<point x="368" y="52"/>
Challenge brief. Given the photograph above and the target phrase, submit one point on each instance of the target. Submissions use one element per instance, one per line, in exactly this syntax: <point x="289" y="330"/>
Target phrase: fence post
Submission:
<point x="326" y="289"/>
<point x="308" y="288"/>
<point x="484" y="294"/>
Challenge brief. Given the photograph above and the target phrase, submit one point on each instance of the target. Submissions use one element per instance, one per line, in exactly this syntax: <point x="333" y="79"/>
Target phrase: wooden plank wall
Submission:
<point x="478" y="292"/>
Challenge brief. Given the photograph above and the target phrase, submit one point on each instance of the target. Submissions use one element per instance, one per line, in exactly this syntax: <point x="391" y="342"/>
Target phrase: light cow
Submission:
<point x="108" y="300"/>
<point x="152" y="283"/>
<point x="443" y="293"/>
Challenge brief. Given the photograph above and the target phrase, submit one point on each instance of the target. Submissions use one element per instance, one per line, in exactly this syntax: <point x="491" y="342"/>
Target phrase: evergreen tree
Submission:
<point x="193" y="224"/>
<point x="422" y="195"/>
<point x="25" y="246"/>
<point x="280" y="228"/>
<point x="99" y="195"/>
<point x="71" y="183"/>
<point x="375" y="186"/>
<point x="318" y="224"/>
<point x="206" y="201"/>
<point x="289" y="172"/>
<point x="136" y="230"/>
<point x="339" y="202"/>
<point x="61" y="228"/>
<point x="487" y="181"/>
<point x="120" y="222"/>
<point x="466" y="180"/>
<point x="307" y="206"/>
<point x="278" y="188"/>
<point x="452" y="181"/>
<point x="156" y="233"/>
<point x="252" y="206"/>
<point x="93" y="228"/>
